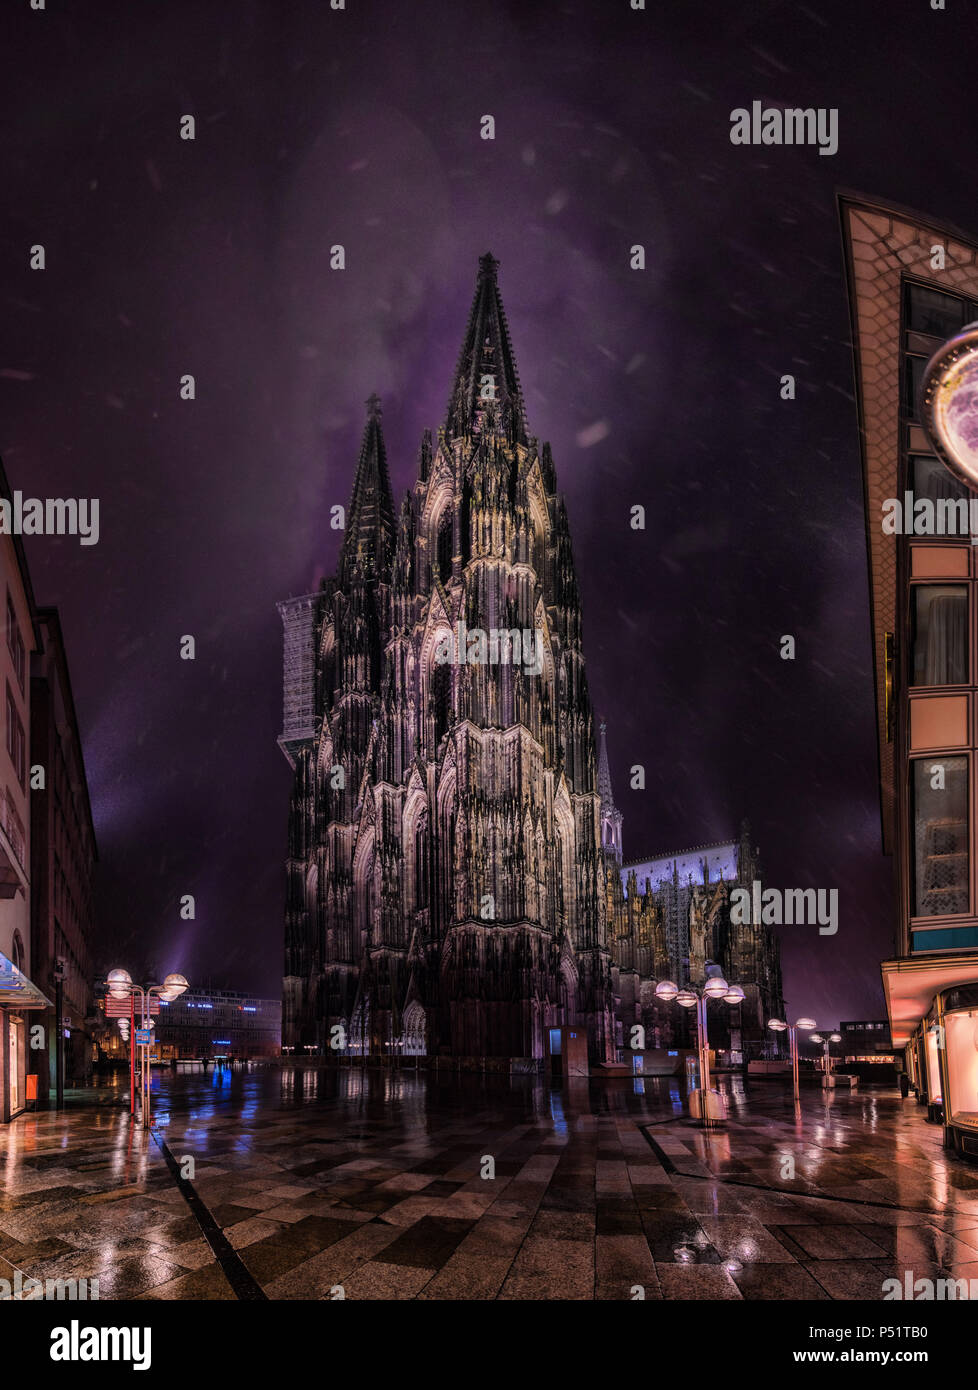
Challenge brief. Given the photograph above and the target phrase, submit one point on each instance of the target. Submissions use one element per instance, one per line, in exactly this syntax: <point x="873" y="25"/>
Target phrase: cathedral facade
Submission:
<point x="454" y="886"/>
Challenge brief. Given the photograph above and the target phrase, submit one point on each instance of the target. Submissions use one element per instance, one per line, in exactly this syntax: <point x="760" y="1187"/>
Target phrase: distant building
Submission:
<point x="63" y="858"/>
<point x="866" y="1042"/>
<point x="673" y="877"/>
<point x="218" y="1023"/>
<point x="672" y="918"/>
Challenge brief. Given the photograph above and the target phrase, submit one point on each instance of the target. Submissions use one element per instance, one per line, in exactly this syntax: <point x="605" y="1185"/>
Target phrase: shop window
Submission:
<point x="933" y="312"/>
<point x="961" y="1043"/>
<point x="934" y="1087"/>
<point x="939" y="634"/>
<point x="939" y="812"/>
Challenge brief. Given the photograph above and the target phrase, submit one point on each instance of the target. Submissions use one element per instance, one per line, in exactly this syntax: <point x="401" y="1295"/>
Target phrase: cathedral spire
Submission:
<point x="369" y="542"/>
<point x="604" y="771"/>
<point x="486" y="391"/>
<point x="611" y="817"/>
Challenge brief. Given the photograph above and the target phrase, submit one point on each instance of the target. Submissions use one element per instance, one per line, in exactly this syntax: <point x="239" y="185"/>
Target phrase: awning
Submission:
<point x="17" y="991"/>
<point x="909" y="987"/>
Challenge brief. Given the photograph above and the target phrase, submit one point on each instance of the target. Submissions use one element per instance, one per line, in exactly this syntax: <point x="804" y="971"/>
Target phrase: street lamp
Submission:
<point x="121" y="986"/>
<point x="828" y="1079"/>
<point x="58" y="975"/>
<point x="715" y="987"/>
<point x="119" y="983"/>
<point x="779" y="1026"/>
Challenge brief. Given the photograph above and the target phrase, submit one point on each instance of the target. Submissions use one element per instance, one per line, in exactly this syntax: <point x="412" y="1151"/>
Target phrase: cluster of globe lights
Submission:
<point x="779" y="1025"/>
<point x="121" y="986"/>
<point x="715" y="988"/>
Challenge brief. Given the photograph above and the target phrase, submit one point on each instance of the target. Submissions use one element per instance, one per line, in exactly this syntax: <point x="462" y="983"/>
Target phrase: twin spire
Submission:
<point x="485" y="395"/>
<point x="486" y="380"/>
<point x="370" y="527"/>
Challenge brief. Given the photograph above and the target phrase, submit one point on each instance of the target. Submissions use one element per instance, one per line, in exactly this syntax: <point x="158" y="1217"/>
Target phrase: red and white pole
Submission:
<point x="132" y="1054"/>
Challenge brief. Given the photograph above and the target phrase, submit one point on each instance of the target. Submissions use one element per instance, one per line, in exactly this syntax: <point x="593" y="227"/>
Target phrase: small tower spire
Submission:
<point x="611" y="817"/>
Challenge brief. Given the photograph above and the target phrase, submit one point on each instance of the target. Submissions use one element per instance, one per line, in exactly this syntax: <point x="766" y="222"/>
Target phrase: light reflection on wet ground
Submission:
<point x="375" y="1180"/>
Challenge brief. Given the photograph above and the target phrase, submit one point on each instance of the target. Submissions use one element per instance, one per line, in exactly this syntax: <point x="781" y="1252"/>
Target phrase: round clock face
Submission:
<point x="949" y="404"/>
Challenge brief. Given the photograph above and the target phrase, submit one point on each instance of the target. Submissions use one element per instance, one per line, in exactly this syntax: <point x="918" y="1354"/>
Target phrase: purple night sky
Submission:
<point x="361" y="127"/>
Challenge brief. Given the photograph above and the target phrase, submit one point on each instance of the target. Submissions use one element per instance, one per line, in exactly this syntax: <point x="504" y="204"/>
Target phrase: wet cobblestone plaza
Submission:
<point x="307" y="1180"/>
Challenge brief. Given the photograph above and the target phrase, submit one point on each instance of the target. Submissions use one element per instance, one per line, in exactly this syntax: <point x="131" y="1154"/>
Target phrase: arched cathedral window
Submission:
<point x="421" y="864"/>
<point x="441" y="700"/>
<point x="445" y="546"/>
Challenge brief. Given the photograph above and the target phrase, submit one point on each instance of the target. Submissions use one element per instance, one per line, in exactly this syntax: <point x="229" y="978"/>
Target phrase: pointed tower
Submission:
<point x="486" y="386"/>
<point x="368" y="544"/>
<point x="611" y="817"/>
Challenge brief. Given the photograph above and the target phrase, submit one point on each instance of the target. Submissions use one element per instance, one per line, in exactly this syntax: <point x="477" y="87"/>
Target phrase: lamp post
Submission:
<point x="121" y="987"/>
<point x="715" y="988"/>
<point x="779" y="1026"/>
<point x="58" y="975"/>
<point x="828" y="1079"/>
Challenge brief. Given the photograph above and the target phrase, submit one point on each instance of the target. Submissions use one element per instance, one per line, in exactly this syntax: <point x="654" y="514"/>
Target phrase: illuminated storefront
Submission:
<point x="913" y="289"/>
<point x="19" y="1001"/>
<point x="943" y="1062"/>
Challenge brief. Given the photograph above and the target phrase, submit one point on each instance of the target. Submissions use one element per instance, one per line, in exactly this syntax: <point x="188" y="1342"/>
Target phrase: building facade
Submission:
<point x="866" y="1041"/>
<point x="206" y="1025"/>
<point x="63" y="859"/>
<point x="454" y="879"/>
<point x="21" y="1000"/>
<point x="913" y="284"/>
<point x="220" y="1023"/>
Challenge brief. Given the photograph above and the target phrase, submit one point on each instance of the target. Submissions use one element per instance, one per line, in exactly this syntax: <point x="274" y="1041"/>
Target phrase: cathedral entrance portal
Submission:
<point x="415" y="1037"/>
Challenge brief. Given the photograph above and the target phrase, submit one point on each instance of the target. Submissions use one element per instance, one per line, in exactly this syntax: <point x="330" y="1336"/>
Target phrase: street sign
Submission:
<point x="119" y="1008"/>
<point x="142" y="1037"/>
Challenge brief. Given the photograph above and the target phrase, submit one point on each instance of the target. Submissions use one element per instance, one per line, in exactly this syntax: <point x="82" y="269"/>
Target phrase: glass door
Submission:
<point x="13" y="1041"/>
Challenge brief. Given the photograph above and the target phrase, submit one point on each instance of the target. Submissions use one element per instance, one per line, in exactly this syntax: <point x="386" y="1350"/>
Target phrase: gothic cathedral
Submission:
<point x="454" y="880"/>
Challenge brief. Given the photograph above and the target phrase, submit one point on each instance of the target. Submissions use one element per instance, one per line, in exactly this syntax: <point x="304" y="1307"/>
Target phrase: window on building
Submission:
<point x="19" y="957"/>
<point x="16" y="743"/>
<point x="441" y="699"/>
<point x="930" y="479"/>
<point x="939" y="634"/>
<point x="913" y="377"/>
<point x="939" y="818"/>
<point x="15" y="643"/>
<point x="445" y="546"/>
<point x="933" y="312"/>
<point x="421" y="864"/>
